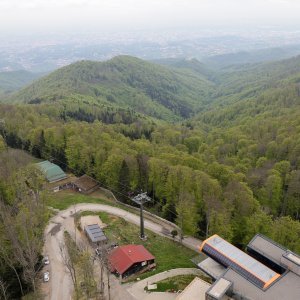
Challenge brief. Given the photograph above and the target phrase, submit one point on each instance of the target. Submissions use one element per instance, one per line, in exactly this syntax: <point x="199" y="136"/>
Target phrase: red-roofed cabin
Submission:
<point x="130" y="259"/>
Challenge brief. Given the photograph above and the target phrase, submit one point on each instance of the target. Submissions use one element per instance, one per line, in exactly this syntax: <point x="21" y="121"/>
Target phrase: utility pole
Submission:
<point x="140" y="199"/>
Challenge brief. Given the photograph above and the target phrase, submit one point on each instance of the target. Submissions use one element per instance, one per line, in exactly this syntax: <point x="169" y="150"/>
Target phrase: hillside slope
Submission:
<point x="124" y="81"/>
<point x="232" y="170"/>
<point x="12" y="81"/>
<point x="250" y="91"/>
<point x="251" y="57"/>
<point x="192" y="65"/>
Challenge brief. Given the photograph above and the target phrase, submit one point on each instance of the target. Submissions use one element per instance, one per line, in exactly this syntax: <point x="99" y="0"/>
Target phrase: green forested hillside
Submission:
<point x="270" y="88"/>
<point x="12" y="81"/>
<point x="125" y="82"/>
<point x="191" y="65"/>
<point x="232" y="169"/>
<point x="23" y="216"/>
<point x="254" y="56"/>
<point x="234" y="85"/>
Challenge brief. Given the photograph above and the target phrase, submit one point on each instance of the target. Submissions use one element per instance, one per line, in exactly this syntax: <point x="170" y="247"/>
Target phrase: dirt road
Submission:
<point x="60" y="284"/>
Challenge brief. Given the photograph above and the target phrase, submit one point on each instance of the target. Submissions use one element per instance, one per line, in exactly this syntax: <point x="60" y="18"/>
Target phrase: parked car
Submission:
<point x="46" y="260"/>
<point x="46" y="276"/>
<point x="98" y="252"/>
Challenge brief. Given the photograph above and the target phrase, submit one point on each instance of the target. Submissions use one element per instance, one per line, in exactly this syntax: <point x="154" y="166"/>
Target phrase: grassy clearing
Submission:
<point x="168" y="254"/>
<point x="175" y="283"/>
<point x="64" y="199"/>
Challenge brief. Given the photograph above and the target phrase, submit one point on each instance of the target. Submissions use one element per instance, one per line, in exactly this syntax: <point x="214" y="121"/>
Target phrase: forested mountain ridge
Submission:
<point x="190" y="64"/>
<point x="240" y="87"/>
<point x="265" y="73"/>
<point x="178" y="89"/>
<point x="234" y="169"/>
<point x="12" y="81"/>
<point x="271" y="88"/>
<point x="252" y="57"/>
<point x="124" y="81"/>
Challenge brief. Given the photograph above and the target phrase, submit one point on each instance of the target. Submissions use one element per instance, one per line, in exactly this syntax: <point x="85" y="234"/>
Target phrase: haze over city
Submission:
<point x="149" y="150"/>
<point x="39" y="35"/>
<point x="41" y="16"/>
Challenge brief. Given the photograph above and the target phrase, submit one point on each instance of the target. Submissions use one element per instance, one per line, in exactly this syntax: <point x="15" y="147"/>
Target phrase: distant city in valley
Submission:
<point x="149" y="149"/>
<point x="45" y="53"/>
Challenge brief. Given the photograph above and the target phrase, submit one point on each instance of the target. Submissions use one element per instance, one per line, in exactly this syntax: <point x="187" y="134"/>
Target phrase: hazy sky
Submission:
<point x="65" y="15"/>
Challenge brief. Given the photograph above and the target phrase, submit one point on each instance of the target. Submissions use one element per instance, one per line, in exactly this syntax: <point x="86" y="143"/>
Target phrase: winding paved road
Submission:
<point x="60" y="285"/>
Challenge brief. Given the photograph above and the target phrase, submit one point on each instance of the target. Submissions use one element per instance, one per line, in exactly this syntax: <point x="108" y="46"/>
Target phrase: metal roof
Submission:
<point x="86" y="183"/>
<point x="292" y="257"/>
<point x="91" y="220"/>
<point x="212" y="268"/>
<point x="95" y="233"/>
<point x="230" y="256"/>
<point x="195" y="290"/>
<point x="123" y="257"/>
<point x="291" y="261"/>
<point x="51" y="171"/>
<point x="267" y="248"/>
<point x="219" y="288"/>
<point x="286" y="287"/>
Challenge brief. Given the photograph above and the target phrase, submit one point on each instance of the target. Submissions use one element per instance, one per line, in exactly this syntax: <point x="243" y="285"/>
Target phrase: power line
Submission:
<point x="126" y="196"/>
<point x="72" y="169"/>
<point x="118" y="192"/>
<point x="105" y="185"/>
<point x="141" y="205"/>
<point x="101" y="183"/>
<point x="165" y="208"/>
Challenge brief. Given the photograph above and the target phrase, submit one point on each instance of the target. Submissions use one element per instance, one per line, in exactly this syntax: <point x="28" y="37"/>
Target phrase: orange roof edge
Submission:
<point x="266" y="283"/>
<point x="271" y="280"/>
<point x="205" y="241"/>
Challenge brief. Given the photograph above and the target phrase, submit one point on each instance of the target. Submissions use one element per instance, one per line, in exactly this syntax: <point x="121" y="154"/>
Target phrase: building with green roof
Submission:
<point x="51" y="171"/>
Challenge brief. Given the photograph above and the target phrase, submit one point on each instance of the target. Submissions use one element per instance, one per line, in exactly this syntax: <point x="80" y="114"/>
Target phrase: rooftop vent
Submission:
<point x="291" y="261"/>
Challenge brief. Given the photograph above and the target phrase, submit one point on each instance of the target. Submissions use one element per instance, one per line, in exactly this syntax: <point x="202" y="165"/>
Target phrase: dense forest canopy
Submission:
<point x="123" y="81"/>
<point x="218" y="151"/>
<point x="23" y="216"/>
